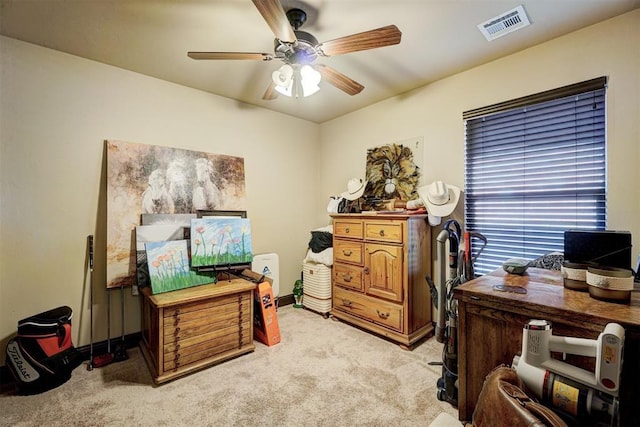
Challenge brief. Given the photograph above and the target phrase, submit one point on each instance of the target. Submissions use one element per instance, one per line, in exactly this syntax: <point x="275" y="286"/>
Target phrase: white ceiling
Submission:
<point x="152" y="37"/>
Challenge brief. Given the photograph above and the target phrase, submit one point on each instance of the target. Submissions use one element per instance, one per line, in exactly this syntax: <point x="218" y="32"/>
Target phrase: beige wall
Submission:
<point x="56" y="111"/>
<point x="435" y="112"/>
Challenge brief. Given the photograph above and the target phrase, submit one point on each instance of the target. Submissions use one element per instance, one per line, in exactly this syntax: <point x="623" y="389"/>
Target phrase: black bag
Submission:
<point x="320" y="240"/>
<point x="42" y="355"/>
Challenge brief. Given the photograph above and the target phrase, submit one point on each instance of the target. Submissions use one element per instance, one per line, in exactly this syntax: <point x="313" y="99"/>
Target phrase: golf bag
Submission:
<point x="42" y="356"/>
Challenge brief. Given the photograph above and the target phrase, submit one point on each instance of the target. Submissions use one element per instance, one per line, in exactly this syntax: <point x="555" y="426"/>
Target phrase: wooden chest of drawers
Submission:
<point x="190" y="329"/>
<point x="379" y="269"/>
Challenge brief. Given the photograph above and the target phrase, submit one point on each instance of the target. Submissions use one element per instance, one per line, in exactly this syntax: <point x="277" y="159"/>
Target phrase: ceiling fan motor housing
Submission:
<point x="303" y="51"/>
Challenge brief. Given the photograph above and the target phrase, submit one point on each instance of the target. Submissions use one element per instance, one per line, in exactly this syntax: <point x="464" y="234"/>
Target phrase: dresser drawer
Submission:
<point x="205" y="313"/>
<point x="206" y="308"/>
<point x="348" y="251"/>
<point x="186" y="345"/>
<point x="349" y="276"/>
<point x="182" y="353"/>
<point x="373" y="309"/>
<point x="347" y="228"/>
<point x="387" y="231"/>
<point x="182" y="361"/>
<point x="187" y="328"/>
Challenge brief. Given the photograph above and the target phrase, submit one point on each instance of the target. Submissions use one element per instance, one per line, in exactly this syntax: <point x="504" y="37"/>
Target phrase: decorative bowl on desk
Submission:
<point x="610" y="283"/>
<point x="575" y="276"/>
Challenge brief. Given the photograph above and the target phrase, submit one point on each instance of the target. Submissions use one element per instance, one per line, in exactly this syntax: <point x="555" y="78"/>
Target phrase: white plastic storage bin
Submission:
<point x="316" y="280"/>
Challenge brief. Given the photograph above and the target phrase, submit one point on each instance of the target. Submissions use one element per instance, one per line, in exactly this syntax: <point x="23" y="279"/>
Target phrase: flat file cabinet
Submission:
<point x="190" y="329"/>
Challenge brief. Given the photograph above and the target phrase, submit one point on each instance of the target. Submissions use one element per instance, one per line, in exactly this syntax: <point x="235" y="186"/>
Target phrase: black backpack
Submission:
<point x="42" y="355"/>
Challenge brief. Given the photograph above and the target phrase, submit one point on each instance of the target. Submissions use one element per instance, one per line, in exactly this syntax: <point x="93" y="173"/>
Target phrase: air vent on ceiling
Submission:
<point x="504" y="24"/>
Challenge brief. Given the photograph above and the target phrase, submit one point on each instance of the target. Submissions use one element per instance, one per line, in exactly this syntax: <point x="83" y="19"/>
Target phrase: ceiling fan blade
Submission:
<point x="274" y="14"/>
<point x="339" y="80"/>
<point x="271" y="92"/>
<point x="371" y="39"/>
<point x="230" y="55"/>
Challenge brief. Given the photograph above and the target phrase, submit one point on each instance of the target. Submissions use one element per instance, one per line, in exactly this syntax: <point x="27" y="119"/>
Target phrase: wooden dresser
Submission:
<point x="190" y="329"/>
<point x="491" y="322"/>
<point x="379" y="266"/>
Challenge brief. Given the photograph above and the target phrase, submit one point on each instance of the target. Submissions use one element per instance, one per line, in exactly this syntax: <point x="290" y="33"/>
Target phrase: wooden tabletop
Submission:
<point x="403" y="214"/>
<point x="223" y="287"/>
<point x="544" y="292"/>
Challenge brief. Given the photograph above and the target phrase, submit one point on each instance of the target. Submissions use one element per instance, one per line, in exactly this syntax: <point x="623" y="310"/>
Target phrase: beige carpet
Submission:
<point x="323" y="373"/>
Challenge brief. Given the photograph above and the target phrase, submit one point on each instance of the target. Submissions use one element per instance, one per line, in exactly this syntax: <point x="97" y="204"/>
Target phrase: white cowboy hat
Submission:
<point x="439" y="198"/>
<point x="355" y="189"/>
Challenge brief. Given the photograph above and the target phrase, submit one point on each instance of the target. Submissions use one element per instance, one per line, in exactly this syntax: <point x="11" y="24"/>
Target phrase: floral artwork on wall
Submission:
<point x="220" y="241"/>
<point x="392" y="170"/>
<point x="169" y="268"/>
<point x="149" y="179"/>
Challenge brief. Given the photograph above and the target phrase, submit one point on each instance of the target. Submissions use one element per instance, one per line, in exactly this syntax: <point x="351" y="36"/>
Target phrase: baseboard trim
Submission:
<point x="285" y="300"/>
<point x="101" y="347"/>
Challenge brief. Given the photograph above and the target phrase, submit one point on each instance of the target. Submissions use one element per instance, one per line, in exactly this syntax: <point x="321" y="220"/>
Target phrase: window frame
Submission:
<point x="586" y="87"/>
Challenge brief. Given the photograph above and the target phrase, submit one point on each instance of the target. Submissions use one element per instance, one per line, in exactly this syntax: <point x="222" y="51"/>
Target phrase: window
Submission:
<point x="534" y="168"/>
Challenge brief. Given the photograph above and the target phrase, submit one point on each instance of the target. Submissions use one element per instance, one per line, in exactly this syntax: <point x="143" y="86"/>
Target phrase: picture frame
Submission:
<point x="205" y="213"/>
<point x="168" y="265"/>
<point x="221" y="242"/>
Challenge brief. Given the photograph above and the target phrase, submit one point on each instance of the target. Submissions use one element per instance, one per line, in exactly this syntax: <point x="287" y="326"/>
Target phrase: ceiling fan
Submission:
<point x="298" y="49"/>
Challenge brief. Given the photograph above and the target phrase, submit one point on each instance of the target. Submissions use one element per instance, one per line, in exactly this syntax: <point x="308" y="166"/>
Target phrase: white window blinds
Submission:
<point x="535" y="167"/>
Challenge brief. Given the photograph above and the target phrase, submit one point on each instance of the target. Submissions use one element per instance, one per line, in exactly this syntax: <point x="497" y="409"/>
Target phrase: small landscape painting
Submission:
<point x="220" y="241"/>
<point x="169" y="267"/>
<point x="156" y="233"/>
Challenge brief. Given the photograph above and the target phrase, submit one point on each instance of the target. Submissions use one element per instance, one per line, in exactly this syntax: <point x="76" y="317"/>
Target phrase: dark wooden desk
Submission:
<point x="490" y="329"/>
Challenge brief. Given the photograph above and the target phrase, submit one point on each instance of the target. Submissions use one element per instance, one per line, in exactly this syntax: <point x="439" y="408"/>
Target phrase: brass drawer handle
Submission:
<point x="381" y="233"/>
<point x="346" y="230"/>
<point x="347" y="303"/>
<point x="366" y="270"/>
<point x="347" y="277"/>
<point x="177" y="347"/>
<point x="176" y="313"/>
<point x="347" y="252"/>
<point x="177" y="357"/>
<point x="383" y="316"/>
<point x="177" y="331"/>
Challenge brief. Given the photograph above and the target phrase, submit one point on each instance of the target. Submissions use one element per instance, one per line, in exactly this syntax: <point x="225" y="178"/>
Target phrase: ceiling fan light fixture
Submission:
<point x="282" y="77"/>
<point x="310" y="79"/>
<point x="295" y="81"/>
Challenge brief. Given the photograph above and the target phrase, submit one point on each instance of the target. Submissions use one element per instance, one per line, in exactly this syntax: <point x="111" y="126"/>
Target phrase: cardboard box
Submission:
<point x="255" y="277"/>
<point x="265" y="317"/>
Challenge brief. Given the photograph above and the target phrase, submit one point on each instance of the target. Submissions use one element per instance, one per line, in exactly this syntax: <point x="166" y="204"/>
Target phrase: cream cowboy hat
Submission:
<point x="439" y="198"/>
<point x="355" y="189"/>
